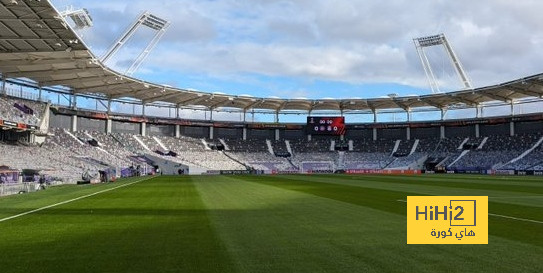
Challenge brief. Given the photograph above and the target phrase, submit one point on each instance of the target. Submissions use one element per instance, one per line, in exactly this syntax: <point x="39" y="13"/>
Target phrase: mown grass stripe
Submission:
<point x="466" y="183"/>
<point x="412" y="187"/>
<point x="71" y="200"/>
<point x="273" y="229"/>
<point x="385" y="200"/>
<point x="161" y="225"/>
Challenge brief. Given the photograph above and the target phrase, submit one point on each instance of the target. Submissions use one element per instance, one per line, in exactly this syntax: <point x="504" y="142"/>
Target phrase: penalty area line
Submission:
<point x="71" y="200"/>
<point x="499" y="215"/>
<point x="515" y="218"/>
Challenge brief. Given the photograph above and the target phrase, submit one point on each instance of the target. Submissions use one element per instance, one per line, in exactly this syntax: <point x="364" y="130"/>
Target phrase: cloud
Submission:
<point x="353" y="42"/>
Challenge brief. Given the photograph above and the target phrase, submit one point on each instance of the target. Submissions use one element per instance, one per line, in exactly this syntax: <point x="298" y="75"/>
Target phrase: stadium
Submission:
<point x="87" y="190"/>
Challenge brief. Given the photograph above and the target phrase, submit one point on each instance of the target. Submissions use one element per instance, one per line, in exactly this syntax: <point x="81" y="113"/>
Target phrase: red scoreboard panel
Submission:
<point x="326" y="125"/>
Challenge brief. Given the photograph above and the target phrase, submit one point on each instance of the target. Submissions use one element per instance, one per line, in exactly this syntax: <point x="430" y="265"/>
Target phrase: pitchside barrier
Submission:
<point x="233" y="172"/>
<point x="491" y="172"/>
<point x="405" y="172"/>
<point x="371" y="172"/>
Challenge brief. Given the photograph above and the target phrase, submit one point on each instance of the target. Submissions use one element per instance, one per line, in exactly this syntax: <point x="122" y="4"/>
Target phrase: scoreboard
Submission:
<point x="326" y="125"/>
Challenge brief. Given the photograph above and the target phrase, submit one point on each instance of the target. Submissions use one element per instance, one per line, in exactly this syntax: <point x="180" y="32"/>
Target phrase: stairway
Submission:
<point x="270" y="148"/>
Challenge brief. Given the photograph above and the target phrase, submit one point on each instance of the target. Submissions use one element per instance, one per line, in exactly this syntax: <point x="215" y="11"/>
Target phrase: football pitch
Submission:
<point x="295" y="223"/>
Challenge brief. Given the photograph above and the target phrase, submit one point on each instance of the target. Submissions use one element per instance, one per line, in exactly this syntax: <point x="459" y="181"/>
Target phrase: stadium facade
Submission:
<point x="40" y="53"/>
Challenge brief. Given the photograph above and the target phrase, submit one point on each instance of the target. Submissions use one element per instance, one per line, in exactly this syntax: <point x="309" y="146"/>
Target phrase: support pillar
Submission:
<point x="244" y="133"/>
<point x="408" y="133"/>
<point x="108" y="126"/>
<point x="211" y="132"/>
<point x="277" y="136"/>
<point x="512" y="108"/>
<point x="143" y="129"/>
<point x="374" y="134"/>
<point x="442" y="132"/>
<point x="74" y="123"/>
<point x="477" y="130"/>
<point x="478" y="111"/>
<point x="512" y="128"/>
<point x="177" y="130"/>
<point x="4" y="91"/>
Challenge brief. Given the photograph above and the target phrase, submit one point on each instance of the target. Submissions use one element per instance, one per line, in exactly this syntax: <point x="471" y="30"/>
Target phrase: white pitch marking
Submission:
<point x="503" y="216"/>
<point x="71" y="200"/>
<point x="515" y="197"/>
<point x="515" y="218"/>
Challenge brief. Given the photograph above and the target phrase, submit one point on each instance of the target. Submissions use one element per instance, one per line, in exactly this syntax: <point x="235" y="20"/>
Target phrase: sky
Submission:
<point x="317" y="48"/>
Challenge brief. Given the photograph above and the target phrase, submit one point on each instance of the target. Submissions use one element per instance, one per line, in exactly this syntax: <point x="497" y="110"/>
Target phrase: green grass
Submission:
<point x="296" y="223"/>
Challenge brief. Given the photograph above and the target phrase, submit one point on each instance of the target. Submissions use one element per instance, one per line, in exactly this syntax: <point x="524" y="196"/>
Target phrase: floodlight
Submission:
<point x="80" y="17"/>
<point x="436" y="40"/>
<point x="145" y="19"/>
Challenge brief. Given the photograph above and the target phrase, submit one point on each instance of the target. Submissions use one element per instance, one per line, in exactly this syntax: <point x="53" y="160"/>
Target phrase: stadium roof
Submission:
<point x="36" y="43"/>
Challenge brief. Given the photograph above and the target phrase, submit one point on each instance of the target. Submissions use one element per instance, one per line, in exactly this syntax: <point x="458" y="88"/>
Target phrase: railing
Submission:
<point x="14" y="92"/>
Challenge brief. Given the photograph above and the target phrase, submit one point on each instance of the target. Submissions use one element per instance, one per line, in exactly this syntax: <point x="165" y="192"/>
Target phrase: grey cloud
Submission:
<point x="355" y="41"/>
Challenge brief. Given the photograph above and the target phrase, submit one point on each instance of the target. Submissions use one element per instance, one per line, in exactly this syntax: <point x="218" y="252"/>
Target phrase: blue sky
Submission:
<point x="318" y="48"/>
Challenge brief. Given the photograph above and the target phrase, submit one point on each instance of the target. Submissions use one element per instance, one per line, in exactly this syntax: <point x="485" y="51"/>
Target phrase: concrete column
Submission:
<point x="442" y="132"/>
<point x="177" y="130"/>
<point x="109" y="125"/>
<point x="244" y="133"/>
<point x="143" y="128"/>
<point x="512" y="128"/>
<point x="74" y="123"/>
<point x="211" y="132"/>
<point x="342" y="137"/>
<point x="277" y="136"/>
<point x="512" y="108"/>
<point x="4" y="91"/>
<point x="308" y="137"/>
<point x="477" y="130"/>
<point x="408" y="133"/>
<point x="374" y="134"/>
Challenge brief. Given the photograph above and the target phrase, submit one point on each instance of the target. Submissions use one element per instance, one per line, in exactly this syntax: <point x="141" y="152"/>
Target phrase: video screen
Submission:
<point x="326" y="125"/>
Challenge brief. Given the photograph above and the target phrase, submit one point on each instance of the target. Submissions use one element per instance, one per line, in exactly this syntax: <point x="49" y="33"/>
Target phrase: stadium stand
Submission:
<point x="65" y="155"/>
<point x="21" y="111"/>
